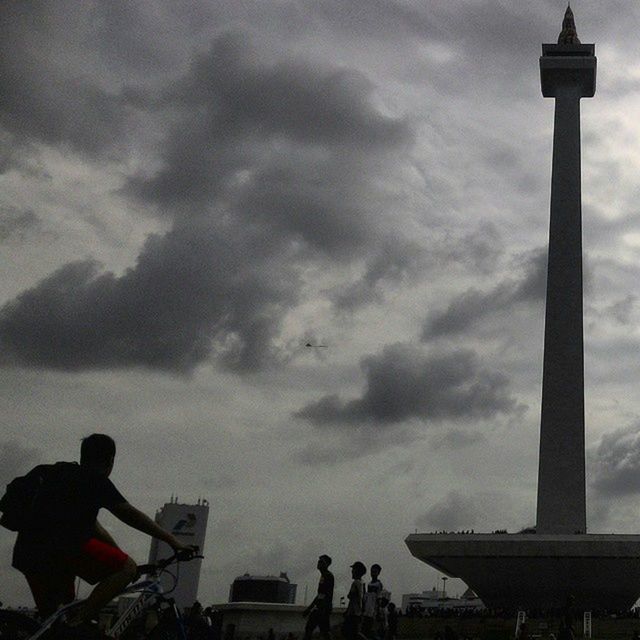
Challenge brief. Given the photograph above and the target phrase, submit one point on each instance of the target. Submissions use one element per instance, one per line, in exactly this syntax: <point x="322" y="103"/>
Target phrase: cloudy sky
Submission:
<point x="190" y="192"/>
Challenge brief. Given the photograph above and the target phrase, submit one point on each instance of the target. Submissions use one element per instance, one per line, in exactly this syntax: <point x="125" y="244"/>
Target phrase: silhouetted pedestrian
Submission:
<point x="392" y="621"/>
<point x="382" y="614"/>
<point x="353" y="615"/>
<point x="318" y="613"/>
<point x="370" y="611"/>
<point x="198" y="624"/>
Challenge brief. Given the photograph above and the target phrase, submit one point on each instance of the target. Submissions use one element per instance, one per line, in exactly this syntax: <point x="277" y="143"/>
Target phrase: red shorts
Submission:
<point x="95" y="561"/>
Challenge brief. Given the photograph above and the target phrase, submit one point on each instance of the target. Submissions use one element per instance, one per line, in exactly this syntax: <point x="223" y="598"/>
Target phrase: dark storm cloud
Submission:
<point x="265" y="164"/>
<point x="190" y="292"/>
<point x="454" y="512"/>
<point x="389" y="265"/>
<point x="17" y="223"/>
<point x="238" y="109"/>
<point x="616" y="463"/>
<point x="403" y="383"/>
<point x="41" y="100"/>
<point x="320" y="203"/>
<point x="473" y="306"/>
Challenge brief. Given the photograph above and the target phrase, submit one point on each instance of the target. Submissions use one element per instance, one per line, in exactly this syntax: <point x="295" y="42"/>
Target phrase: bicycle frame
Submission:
<point x="150" y="590"/>
<point x="48" y="623"/>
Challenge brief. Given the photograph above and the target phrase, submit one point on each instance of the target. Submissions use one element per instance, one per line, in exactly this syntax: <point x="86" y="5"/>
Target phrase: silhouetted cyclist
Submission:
<point x="66" y="540"/>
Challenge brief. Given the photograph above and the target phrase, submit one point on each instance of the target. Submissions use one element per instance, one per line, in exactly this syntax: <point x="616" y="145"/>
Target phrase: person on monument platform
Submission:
<point x="318" y="613"/>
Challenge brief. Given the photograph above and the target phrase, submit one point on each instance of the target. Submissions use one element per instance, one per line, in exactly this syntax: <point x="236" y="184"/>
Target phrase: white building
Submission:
<point x="435" y="599"/>
<point x="188" y="523"/>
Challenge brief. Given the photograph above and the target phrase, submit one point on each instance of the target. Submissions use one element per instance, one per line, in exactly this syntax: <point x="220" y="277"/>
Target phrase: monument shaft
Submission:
<point x="561" y="478"/>
<point x="567" y="73"/>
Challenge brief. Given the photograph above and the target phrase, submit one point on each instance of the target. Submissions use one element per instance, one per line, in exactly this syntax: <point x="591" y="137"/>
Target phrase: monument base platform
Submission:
<point x="538" y="571"/>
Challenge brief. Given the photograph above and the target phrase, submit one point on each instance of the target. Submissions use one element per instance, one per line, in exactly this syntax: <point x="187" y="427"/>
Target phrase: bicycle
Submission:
<point x="130" y="625"/>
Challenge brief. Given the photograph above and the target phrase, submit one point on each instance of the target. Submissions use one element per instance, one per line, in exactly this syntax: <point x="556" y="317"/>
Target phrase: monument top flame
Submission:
<point x="568" y="35"/>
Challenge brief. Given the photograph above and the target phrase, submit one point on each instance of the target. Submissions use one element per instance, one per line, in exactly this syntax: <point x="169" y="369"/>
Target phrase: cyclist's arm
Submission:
<point x="101" y="533"/>
<point x="128" y="514"/>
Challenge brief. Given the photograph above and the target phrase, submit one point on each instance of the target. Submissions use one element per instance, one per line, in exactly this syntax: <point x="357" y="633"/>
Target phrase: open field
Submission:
<point x="502" y="629"/>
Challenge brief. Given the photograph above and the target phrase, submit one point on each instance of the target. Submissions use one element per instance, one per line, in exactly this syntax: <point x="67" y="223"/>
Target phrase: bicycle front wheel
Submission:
<point x="16" y="626"/>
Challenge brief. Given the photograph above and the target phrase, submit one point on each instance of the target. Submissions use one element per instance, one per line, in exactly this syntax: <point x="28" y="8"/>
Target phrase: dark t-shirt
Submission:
<point x="67" y="505"/>
<point x="324" y="602"/>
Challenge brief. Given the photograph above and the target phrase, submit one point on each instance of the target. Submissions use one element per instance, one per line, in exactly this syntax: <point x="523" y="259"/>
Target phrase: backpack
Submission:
<point x="19" y="505"/>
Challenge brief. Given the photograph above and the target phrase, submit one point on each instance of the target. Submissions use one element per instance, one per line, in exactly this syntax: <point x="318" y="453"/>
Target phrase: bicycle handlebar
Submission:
<point x="178" y="556"/>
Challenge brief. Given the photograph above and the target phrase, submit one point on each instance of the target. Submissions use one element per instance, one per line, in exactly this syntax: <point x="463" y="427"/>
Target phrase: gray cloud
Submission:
<point x="391" y="264"/>
<point x="473" y="306"/>
<point x="510" y="35"/>
<point x="454" y="512"/>
<point x="479" y="250"/>
<point x="621" y="310"/>
<point x="403" y="383"/>
<point x="17" y="223"/>
<point x="16" y="460"/>
<point x="357" y="442"/>
<point x="457" y="439"/>
<point x="616" y="463"/>
<point x="279" y="555"/>
<point x="332" y="453"/>
<point x="397" y="260"/>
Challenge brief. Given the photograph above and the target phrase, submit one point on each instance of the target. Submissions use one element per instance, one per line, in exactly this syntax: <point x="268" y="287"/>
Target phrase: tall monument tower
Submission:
<point x="567" y="73"/>
<point x="540" y="568"/>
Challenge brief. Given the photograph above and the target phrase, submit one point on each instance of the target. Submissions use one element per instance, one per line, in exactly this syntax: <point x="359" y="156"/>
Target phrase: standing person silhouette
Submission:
<point x="353" y="614"/>
<point x="318" y="613"/>
<point x="371" y="597"/>
<point x="66" y="540"/>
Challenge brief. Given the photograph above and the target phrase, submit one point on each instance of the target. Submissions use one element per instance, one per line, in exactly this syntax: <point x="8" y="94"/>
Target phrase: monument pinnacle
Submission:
<point x="568" y="35"/>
